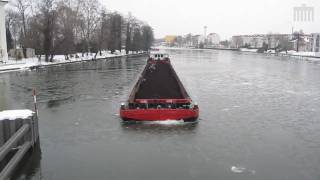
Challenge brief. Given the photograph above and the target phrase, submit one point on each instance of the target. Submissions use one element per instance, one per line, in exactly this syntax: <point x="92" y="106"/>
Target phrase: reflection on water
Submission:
<point x="4" y="91"/>
<point x="31" y="166"/>
<point x="57" y="102"/>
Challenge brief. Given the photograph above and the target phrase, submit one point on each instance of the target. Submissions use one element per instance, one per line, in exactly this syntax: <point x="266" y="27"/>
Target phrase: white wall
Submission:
<point x="3" y="41"/>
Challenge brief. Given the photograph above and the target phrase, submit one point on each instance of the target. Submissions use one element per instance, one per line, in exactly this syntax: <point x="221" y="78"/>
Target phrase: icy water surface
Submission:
<point x="260" y="120"/>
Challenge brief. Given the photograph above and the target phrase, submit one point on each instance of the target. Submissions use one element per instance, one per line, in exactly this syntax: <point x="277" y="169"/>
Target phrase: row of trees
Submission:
<point x="65" y="27"/>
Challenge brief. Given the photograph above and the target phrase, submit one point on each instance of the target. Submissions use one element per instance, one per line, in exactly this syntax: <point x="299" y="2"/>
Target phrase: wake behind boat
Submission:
<point x="159" y="95"/>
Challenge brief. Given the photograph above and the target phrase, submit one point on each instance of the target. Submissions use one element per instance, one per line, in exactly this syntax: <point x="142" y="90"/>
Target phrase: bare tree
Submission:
<point x="298" y="36"/>
<point x="36" y="32"/>
<point x="137" y="35"/>
<point x="22" y="7"/>
<point x="129" y="25"/>
<point x="270" y="40"/>
<point x="103" y="32"/>
<point x="49" y="17"/>
<point x="90" y="19"/>
<point x="237" y="41"/>
<point x="115" y="32"/>
<point x="69" y="26"/>
<point x="66" y="22"/>
<point x="137" y="39"/>
<point x="284" y="44"/>
<point x="148" y="37"/>
<point x="12" y="23"/>
<point x="225" y="43"/>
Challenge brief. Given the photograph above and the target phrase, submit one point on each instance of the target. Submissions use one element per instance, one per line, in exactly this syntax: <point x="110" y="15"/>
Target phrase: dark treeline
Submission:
<point x="65" y="27"/>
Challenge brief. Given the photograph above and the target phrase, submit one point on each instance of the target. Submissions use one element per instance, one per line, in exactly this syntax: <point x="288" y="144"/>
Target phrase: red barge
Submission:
<point x="159" y="95"/>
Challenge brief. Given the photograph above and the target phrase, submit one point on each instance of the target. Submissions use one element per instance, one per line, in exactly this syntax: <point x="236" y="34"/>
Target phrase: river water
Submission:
<point x="260" y="120"/>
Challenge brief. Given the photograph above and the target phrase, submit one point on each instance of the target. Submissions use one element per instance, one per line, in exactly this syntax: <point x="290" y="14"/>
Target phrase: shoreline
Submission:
<point x="317" y="58"/>
<point x="15" y="67"/>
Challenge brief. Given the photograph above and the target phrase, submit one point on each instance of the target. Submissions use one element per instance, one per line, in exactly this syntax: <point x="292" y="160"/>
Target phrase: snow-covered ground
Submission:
<point x="26" y="64"/>
<point x="307" y="54"/>
<point x="248" y="50"/>
<point x="15" y="114"/>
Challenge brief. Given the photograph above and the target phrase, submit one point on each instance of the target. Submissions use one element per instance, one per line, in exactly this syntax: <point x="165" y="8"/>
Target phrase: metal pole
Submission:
<point x="6" y="148"/>
<point x="35" y="101"/>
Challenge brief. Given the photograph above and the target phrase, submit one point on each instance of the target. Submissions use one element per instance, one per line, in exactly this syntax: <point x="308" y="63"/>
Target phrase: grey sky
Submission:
<point x="225" y="17"/>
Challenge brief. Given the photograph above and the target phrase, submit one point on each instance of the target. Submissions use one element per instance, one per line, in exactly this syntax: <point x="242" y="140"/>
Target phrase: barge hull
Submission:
<point x="159" y="114"/>
<point x="159" y="95"/>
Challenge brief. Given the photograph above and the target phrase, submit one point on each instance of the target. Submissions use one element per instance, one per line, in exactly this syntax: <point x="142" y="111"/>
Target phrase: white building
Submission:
<point x="3" y="41"/>
<point x="259" y="40"/>
<point x="315" y="43"/>
<point x="276" y="40"/>
<point x="196" y="40"/>
<point x="252" y="41"/>
<point x="213" y="39"/>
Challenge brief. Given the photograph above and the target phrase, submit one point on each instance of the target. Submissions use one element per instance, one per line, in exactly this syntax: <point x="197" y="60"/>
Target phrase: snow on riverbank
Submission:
<point x="26" y="64"/>
<point x="173" y="48"/>
<point x="248" y="50"/>
<point x="305" y="54"/>
<point x="284" y="53"/>
<point x="312" y="56"/>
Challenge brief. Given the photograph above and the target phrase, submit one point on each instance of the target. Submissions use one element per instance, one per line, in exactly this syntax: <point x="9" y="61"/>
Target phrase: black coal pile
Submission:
<point x="159" y="82"/>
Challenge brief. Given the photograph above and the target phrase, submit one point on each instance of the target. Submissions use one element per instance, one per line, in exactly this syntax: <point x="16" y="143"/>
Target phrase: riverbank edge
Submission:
<point x="239" y="50"/>
<point x="41" y="66"/>
<point x="270" y="53"/>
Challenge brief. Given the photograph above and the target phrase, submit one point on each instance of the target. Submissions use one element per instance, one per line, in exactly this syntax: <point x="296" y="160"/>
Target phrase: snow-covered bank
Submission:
<point x="312" y="56"/>
<point x="30" y="63"/>
<point x="172" y="48"/>
<point x="304" y="54"/>
<point x="159" y="48"/>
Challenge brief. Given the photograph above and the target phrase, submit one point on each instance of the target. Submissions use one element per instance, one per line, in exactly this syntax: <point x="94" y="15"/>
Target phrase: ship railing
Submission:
<point x="161" y="104"/>
<point x="159" y="57"/>
<point x="164" y="101"/>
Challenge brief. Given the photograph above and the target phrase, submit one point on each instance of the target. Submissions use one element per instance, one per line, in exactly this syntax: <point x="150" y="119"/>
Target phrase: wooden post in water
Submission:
<point x="18" y="134"/>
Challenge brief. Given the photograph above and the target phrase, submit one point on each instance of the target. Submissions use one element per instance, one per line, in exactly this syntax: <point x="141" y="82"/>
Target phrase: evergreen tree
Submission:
<point x="137" y="40"/>
<point x="147" y="37"/>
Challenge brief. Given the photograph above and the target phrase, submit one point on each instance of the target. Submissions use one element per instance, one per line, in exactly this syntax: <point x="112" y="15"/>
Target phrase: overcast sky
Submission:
<point x="225" y="17"/>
